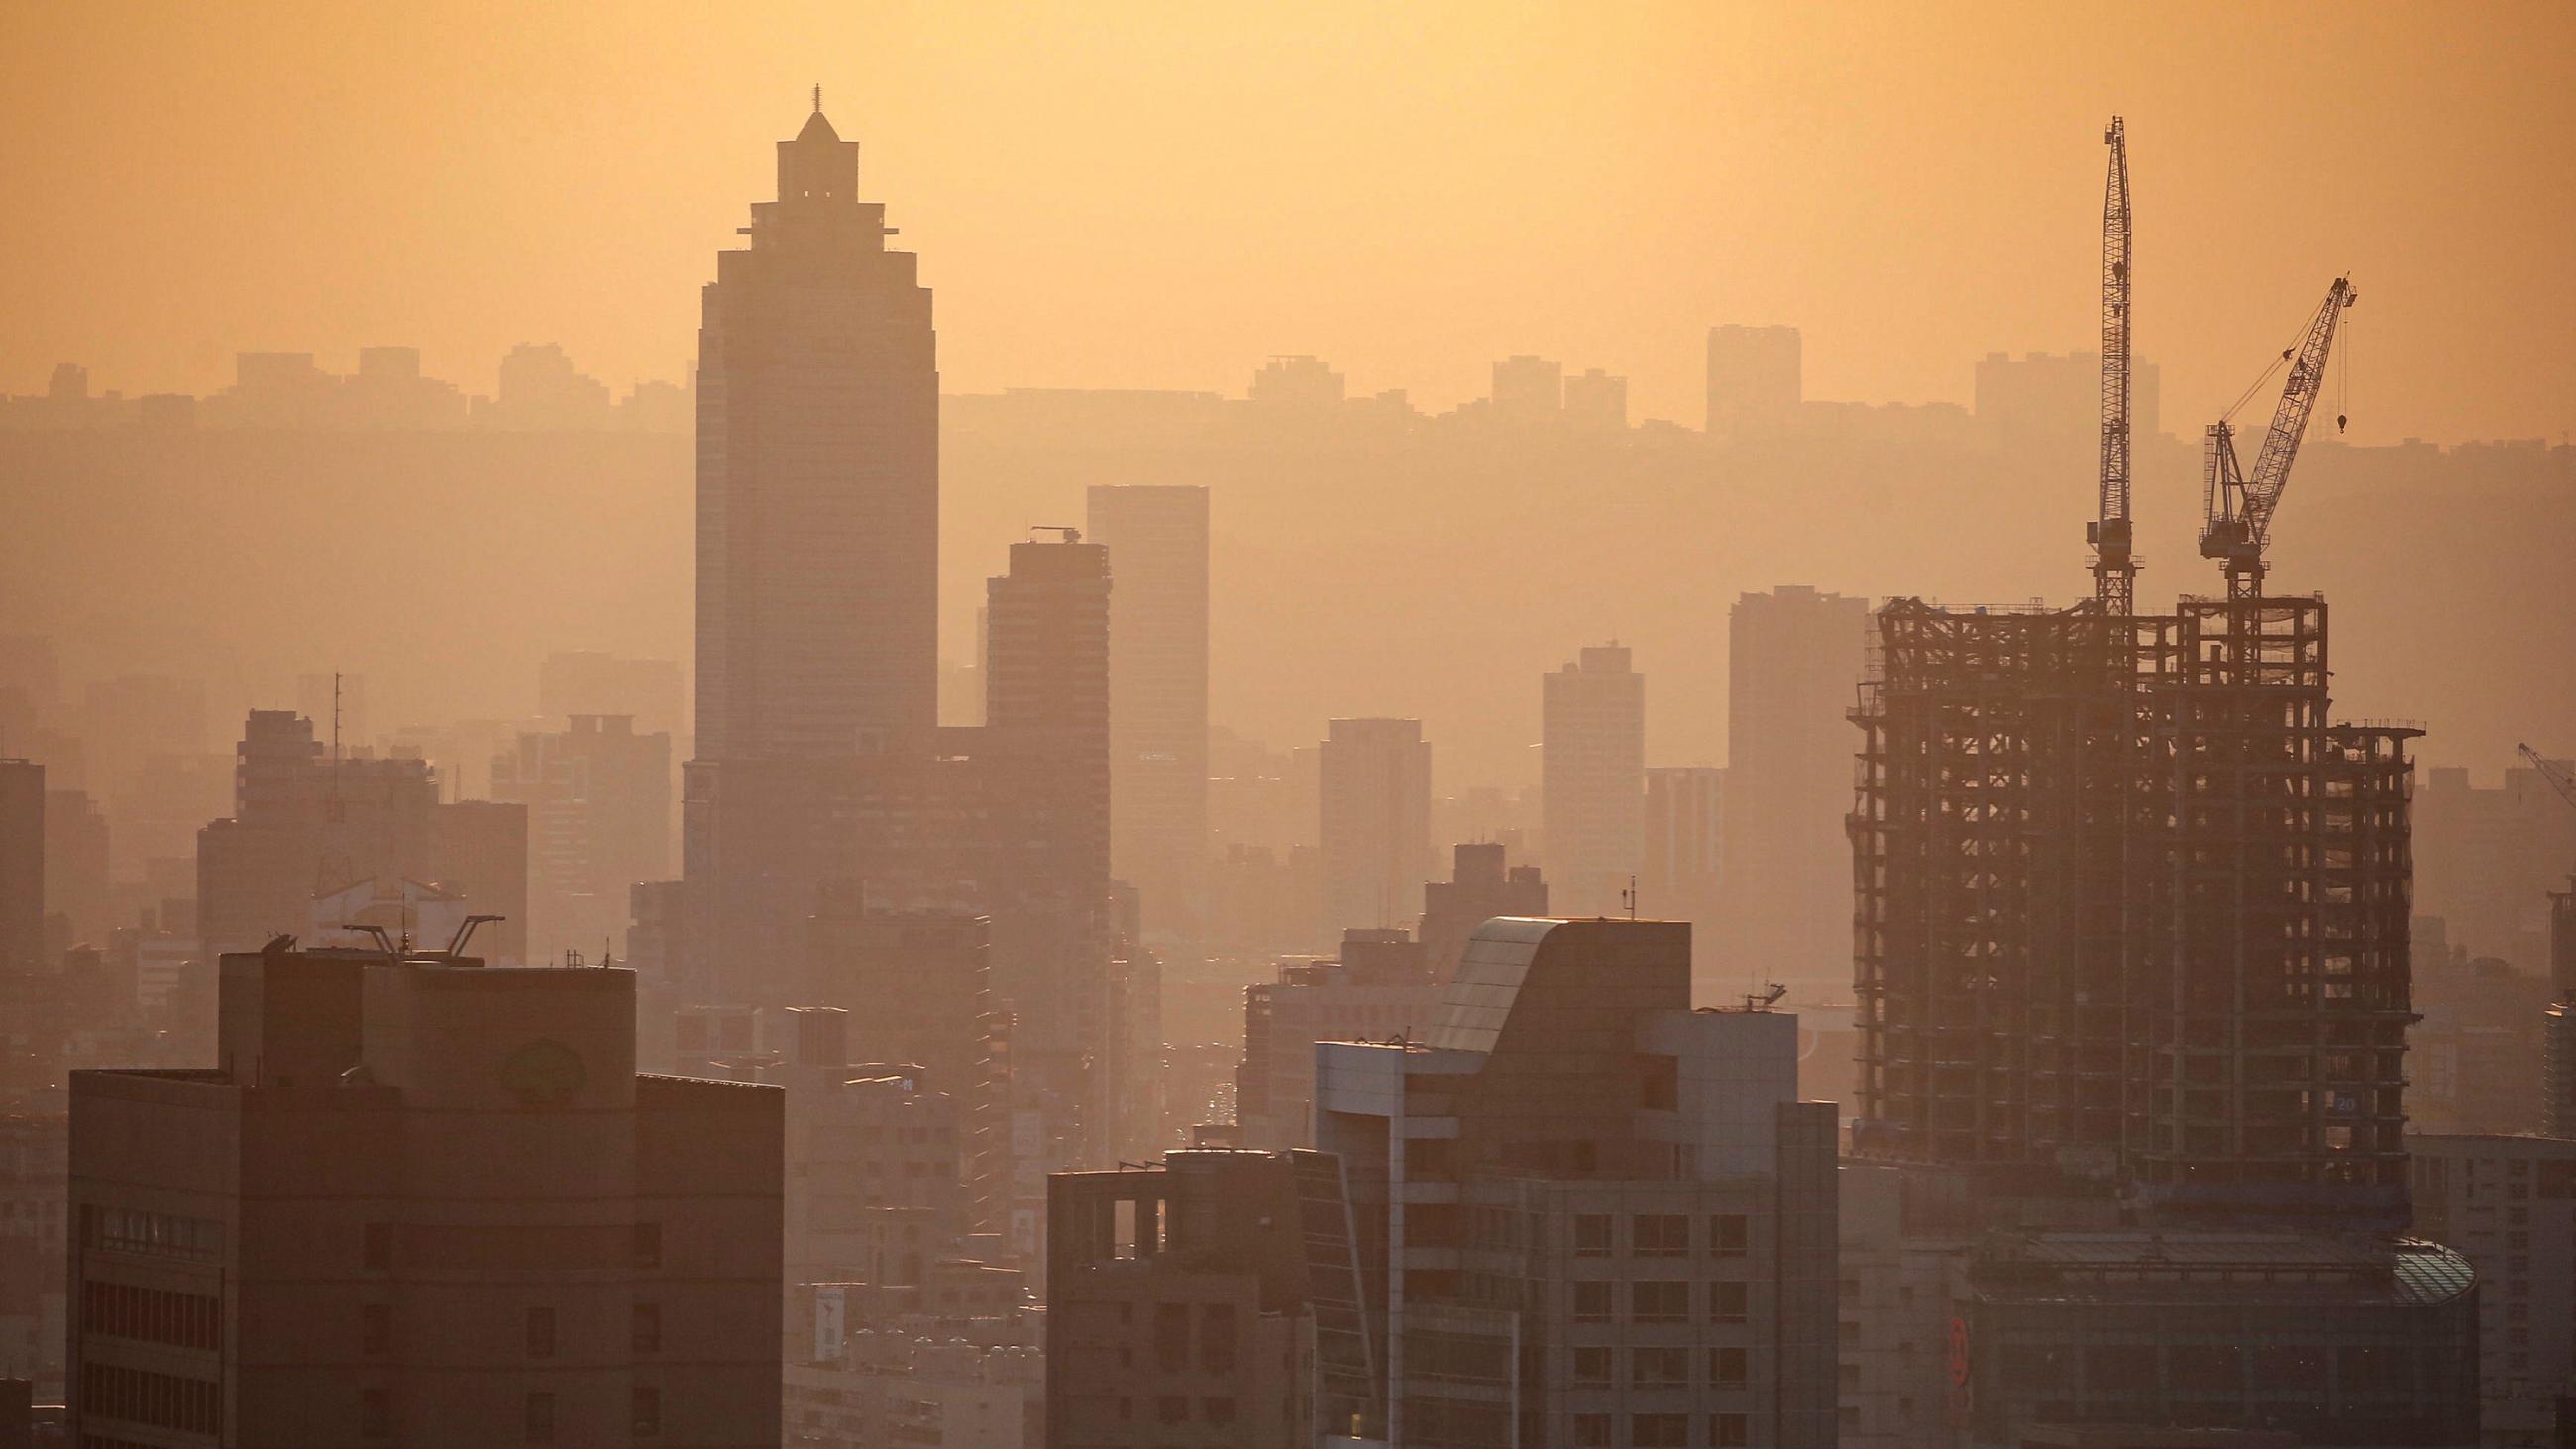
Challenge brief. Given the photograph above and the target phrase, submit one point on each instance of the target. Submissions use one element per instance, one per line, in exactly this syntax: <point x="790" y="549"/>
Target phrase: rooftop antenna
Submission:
<point x="465" y="933"/>
<point x="818" y="98"/>
<point x="1628" y="898"/>
<point x="1767" y="998"/>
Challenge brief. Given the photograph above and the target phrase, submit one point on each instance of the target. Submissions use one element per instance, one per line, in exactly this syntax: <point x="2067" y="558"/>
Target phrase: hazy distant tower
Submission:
<point x="818" y="474"/>
<point x="1756" y="380"/>
<point x="1593" y="779"/>
<point x="817" y="541"/>
<point x="1375" y="827"/>
<point x="1157" y="539"/>
<point x="1794" y="662"/>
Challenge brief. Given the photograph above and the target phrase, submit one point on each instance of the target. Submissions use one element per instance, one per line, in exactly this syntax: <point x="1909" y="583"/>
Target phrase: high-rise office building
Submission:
<point x="304" y="824"/>
<point x="1380" y="987"/>
<point x="818" y="474"/>
<point x="22" y="864"/>
<point x="1794" y="663"/>
<point x="1157" y="539"/>
<point x="1756" y="381"/>
<point x="1685" y="831"/>
<point x="1625" y="1234"/>
<point x="1375" y="822"/>
<point x="421" y="1200"/>
<point x="1592" y="773"/>
<point x="1047" y="674"/>
<point x="817" y="543"/>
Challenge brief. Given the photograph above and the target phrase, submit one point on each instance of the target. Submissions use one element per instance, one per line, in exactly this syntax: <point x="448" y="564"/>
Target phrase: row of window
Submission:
<point x="140" y="1396"/>
<point x="1658" y="1368"/>
<point x="376" y="1330"/>
<point x="163" y="1235"/>
<point x="152" y="1315"/>
<point x="1656" y="1301"/>
<point x="1661" y="1235"/>
<point x="376" y="1414"/>
<point x="1660" y="1431"/>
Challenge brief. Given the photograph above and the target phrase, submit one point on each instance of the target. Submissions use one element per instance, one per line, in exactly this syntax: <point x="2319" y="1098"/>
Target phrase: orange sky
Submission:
<point x="1159" y="195"/>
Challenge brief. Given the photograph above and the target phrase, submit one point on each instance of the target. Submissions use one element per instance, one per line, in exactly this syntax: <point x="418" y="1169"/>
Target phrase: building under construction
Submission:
<point x="2130" y="907"/>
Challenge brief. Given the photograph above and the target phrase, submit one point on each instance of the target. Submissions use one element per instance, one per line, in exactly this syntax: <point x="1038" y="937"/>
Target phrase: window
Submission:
<point x="1592" y="1431"/>
<point x="1217" y="1411"/>
<point x="648" y="1410"/>
<point x="1592" y="1368"/>
<point x="1659" y="1431"/>
<point x="1659" y="1083"/>
<point x="648" y="1328"/>
<point x="1726" y="1301"/>
<point x="1726" y="1235"/>
<point x="541" y="1418"/>
<point x="1659" y="1302"/>
<point x="1172" y="1409"/>
<point x="648" y="1245"/>
<point x="1591" y="1302"/>
<point x="1726" y="1365"/>
<point x="1729" y="1431"/>
<point x="1592" y="1235"/>
<point x="375" y="1328"/>
<point x="541" y="1333"/>
<point x="1216" y="1338"/>
<point x="1654" y="1368"/>
<point x="380" y="1245"/>
<point x="375" y="1413"/>
<point x="1661" y="1235"/>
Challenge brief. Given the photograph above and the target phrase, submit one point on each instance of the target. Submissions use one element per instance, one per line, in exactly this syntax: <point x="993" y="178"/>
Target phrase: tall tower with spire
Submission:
<point x="817" y="522"/>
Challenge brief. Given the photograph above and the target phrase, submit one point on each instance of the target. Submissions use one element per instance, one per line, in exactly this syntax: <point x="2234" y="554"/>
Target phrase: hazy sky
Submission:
<point x="1159" y="195"/>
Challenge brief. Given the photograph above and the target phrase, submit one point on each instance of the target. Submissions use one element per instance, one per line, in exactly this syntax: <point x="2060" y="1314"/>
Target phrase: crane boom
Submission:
<point x="2115" y="570"/>
<point x="2558" y="779"/>
<point x="2240" y="506"/>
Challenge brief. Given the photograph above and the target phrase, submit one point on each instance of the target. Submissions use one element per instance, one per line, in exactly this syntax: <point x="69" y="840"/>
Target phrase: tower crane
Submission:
<point x="2115" y="571"/>
<point x="2240" y="506"/>
<point x="2558" y="778"/>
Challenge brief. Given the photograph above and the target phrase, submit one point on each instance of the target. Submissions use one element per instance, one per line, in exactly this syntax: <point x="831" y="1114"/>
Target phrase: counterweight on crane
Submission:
<point x="2240" y="506"/>
<point x="2115" y="570"/>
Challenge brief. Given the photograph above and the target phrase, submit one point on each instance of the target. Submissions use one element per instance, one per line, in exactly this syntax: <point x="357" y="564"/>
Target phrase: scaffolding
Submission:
<point x="2129" y="906"/>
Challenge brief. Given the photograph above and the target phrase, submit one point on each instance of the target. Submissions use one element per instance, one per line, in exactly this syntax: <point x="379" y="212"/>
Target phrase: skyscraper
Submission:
<point x="817" y="543"/>
<point x="1685" y="830"/>
<point x="1593" y="779"/>
<point x="1794" y="662"/>
<point x="818" y="474"/>
<point x="1375" y="826"/>
<point x="1046" y="679"/>
<point x="1157" y="539"/>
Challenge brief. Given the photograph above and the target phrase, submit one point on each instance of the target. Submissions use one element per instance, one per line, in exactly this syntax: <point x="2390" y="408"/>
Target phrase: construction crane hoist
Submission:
<point x="2240" y="505"/>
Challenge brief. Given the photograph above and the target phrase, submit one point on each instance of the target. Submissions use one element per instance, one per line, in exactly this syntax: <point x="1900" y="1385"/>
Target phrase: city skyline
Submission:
<point x="1548" y="124"/>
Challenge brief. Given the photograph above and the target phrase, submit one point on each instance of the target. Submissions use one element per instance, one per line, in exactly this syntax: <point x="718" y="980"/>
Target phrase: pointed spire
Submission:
<point x="818" y="98"/>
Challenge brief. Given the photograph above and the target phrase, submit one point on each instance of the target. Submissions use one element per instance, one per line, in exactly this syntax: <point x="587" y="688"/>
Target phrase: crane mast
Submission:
<point x="2239" y="506"/>
<point x="2115" y="570"/>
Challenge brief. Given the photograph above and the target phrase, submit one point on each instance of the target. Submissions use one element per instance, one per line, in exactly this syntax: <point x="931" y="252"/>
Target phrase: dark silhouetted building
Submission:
<point x="1210" y="1301"/>
<point x="1593" y="780"/>
<point x="1588" y="1214"/>
<point x="1381" y="987"/>
<point x="1157" y="539"/>
<point x="423" y="1201"/>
